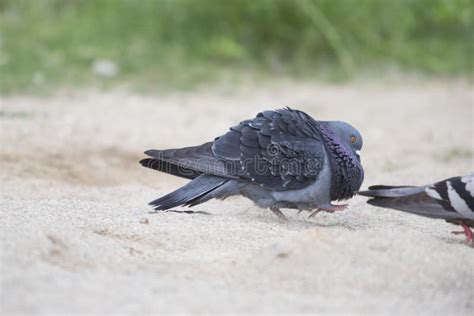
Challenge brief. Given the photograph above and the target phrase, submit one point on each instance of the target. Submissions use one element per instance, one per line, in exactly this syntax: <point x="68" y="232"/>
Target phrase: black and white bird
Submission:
<point x="279" y="159"/>
<point x="451" y="199"/>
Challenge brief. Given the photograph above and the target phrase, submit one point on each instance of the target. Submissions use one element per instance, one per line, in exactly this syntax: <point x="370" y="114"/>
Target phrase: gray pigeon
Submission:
<point x="451" y="199"/>
<point x="279" y="159"/>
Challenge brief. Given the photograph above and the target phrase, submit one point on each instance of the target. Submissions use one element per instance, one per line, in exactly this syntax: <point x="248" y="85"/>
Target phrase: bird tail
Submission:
<point x="162" y="160"/>
<point x="408" y="199"/>
<point x="189" y="162"/>
<point x="387" y="191"/>
<point x="190" y="194"/>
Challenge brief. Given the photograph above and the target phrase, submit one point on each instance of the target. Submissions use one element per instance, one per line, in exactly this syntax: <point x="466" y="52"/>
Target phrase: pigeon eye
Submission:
<point x="353" y="139"/>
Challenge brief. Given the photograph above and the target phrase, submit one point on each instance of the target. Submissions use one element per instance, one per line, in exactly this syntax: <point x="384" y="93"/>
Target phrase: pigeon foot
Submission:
<point x="467" y="232"/>
<point x="278" y="213"/>
<point x="331" y="209"/>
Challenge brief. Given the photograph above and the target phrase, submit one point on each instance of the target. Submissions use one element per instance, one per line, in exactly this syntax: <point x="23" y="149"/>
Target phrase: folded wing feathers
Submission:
<point x="270" y="150"/>
<point x="188" y="193"/>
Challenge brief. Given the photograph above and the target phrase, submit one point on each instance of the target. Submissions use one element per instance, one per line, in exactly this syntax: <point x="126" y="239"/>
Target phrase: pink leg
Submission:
<point x="331" y="209"/>
<point x="466" y="231"/>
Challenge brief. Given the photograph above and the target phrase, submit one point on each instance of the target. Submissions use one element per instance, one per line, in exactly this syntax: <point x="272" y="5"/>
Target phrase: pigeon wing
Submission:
<point x="278" y="150"/>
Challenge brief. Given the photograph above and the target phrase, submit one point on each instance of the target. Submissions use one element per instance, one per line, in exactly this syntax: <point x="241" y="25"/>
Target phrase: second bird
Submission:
<point x="279" y="159"/>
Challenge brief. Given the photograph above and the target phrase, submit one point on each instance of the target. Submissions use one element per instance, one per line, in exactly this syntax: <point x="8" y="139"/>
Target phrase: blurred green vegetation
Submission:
<point x="48" y="43"/>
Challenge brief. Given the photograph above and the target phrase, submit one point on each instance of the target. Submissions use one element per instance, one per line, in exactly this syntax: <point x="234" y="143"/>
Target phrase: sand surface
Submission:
<point x="78" y="236"/>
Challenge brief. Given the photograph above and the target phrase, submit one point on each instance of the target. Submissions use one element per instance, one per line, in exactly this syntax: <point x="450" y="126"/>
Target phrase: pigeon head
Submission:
<point x="347" y="135"/>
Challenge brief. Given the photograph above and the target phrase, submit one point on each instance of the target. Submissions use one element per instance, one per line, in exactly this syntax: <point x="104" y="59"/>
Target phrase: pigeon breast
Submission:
<point x="346" y="169"/>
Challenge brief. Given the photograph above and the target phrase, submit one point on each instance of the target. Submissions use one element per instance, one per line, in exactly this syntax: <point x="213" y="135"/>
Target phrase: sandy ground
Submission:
<point x="78" y="236"/>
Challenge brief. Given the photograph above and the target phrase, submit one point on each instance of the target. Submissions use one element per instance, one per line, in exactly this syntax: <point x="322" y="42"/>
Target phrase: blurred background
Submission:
<point x="154" y="44"/>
